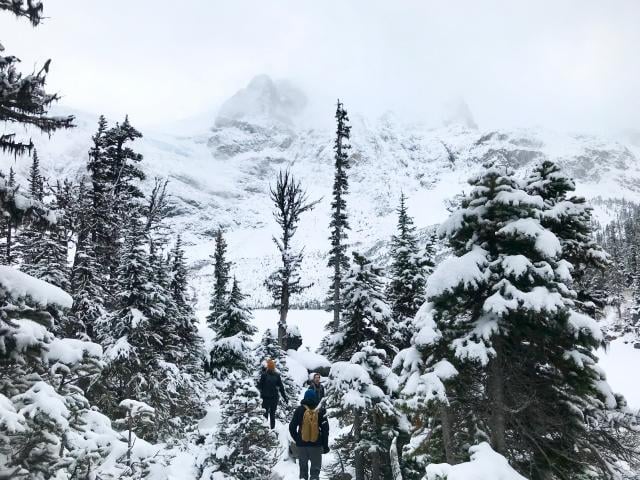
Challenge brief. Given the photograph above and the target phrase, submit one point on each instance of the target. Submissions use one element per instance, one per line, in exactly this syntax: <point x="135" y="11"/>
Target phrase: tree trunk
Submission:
<point x="394" y="456"/>
<point x="447" y="434"/>
<point x="282" y="323"/>
<point x="495" y="389"/>
<point x="376" y="470"/>
<point x="130" y="439"/>
<point x="8" y="243"/>
<point x="336" y="296"/>
<point x="359" y="454"/>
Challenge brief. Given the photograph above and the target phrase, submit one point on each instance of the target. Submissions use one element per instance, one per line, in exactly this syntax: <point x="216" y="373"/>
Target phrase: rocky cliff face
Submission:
<point x="221" y="176"/>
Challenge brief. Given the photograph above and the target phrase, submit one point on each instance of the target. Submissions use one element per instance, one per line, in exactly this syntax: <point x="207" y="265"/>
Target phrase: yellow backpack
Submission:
<point x="310" y="427"/>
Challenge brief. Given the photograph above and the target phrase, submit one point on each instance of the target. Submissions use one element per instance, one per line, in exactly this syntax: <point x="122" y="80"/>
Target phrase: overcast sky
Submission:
<point x="561" y="64"/>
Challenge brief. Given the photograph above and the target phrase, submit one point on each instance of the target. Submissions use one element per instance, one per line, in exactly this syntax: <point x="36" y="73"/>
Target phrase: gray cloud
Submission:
<point x="569" y="65"/>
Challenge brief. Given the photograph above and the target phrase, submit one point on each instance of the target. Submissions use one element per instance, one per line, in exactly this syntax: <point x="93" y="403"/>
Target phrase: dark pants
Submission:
<point x="270" y="405"/>
<point x="313" y="455"/>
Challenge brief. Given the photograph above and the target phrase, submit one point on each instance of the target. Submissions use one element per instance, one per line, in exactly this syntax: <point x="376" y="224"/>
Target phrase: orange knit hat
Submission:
<point x="271" y="365"/>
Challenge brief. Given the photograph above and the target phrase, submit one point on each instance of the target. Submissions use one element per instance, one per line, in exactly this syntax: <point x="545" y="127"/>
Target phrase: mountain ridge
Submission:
<point x="221" y="176"/>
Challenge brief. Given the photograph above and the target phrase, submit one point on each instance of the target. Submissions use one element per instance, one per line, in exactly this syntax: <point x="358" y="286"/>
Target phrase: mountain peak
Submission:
<point x="457" y="112"/>
<point x="264" y="102"/>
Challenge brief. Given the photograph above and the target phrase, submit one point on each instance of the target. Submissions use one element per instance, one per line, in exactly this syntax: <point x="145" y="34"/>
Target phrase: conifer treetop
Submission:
<point x="23" y="100"/>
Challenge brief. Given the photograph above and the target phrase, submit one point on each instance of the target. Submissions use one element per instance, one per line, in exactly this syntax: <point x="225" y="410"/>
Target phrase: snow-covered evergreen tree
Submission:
<point x="357" y="393"/>
<point x="502" y="313"/>
<point x="8" y="227"/>
<point x="231" y="350"/>
<point x="366" y="313"/>
<point x="48" y="428"/>
<point x="408" y="275"/>
<point x="114" y="170"/>
<point x="131" y="334"/>
<point x="338" y="259"/>
<point x="290" y="201"/>
<point x="569" y="218"/>
<point x="221" y="280"/>
<point x="87" y="279"/>
<point x="186" y="326"/>
<point x="35" y="181"/>
<point x="44" y="245"/>
<point x="246" y="447"/>
<point x="34" y="415"/>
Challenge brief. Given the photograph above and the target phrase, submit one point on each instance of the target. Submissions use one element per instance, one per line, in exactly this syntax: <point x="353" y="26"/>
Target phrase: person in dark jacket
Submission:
<point x="269" y="385"/>
<point x="310" y="452"/>
<point x="316" y="386"/>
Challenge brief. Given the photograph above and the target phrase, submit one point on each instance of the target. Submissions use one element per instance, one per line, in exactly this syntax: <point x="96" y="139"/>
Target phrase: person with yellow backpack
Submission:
<point x="309" y="428"/>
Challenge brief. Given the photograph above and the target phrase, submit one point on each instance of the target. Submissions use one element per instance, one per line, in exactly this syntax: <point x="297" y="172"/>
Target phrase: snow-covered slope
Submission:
<point x="219" y="176"/>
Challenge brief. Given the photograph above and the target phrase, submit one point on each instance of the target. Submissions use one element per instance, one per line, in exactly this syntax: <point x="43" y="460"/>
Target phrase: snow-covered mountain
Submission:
<point x="220" y="175"/>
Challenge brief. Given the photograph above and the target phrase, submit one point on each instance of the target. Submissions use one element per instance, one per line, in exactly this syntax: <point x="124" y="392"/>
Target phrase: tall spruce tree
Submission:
<point x="231" y="351"/>
<point x="43" y="246"/>
<point x="367" y="314"/>
<point x="35" y="180"/>
<point x="246" y="448"/>
<point x="409" y="271"/>
<point x="86" y="283"/>
<point x="357" y="388"/>
<point x="339" y="224"/>
<point x="129" y="334"/>
<point x="221" y="269"/>
<point x="8" y="227"/>
<point x="569" y="218"/>
<point x="23" y="99"/>
<point x="290" y="201"/>
<point x="502" y="312"/>
<point x="114" y="170"/>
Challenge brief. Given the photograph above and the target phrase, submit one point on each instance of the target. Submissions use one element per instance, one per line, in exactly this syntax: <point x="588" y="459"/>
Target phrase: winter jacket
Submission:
<point x="318" y="389"/>
<point x="269" y="384"/>
<point x="295" y="426"/>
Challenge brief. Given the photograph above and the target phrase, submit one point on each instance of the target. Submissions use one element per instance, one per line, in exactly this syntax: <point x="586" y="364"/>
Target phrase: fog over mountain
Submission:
<point x="221" y="165"/>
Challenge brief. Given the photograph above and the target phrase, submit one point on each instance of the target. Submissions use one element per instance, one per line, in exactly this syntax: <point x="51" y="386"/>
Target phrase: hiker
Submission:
<point x="269" y="384"/>
<point x="316" y="386"/>
<point x="310" y="430"/>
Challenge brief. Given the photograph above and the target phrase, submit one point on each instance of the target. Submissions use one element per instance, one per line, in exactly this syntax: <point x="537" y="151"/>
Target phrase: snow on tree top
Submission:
<point x="309" y="360"/>
<point x="456" y="271"/>
<point x="70" y="350"/>
<point x="136" y="407"/>
<point x="21" y="285"/>
<point x="545" y="241"/>
<point x="426" y="326"/>
<point x="355" y="383"/>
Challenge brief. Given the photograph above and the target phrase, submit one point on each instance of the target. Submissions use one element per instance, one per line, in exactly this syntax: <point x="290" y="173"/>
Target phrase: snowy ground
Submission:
<point x="620" y="362"/>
